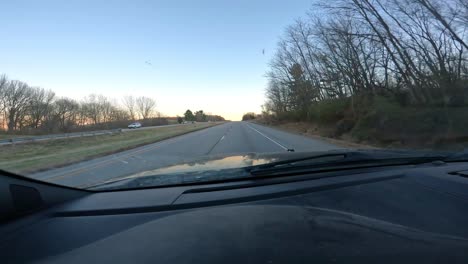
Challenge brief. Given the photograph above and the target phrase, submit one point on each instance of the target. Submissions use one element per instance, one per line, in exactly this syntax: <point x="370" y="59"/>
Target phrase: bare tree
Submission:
<point x="431" y="7"/>
<point x="40" y="105"/>
<point x="3" y="88"/>
<point x="105" y="108"/>
<point x="145" y="106"/>
<point x="16" y="102"/>
<point x="65" y="113"/>
<point x="119" y="114"/>
<point x="414" y="51"/>
<point x="92" y="109"/>
<point x="34" y="109"/>
<point x="130" y="105"/>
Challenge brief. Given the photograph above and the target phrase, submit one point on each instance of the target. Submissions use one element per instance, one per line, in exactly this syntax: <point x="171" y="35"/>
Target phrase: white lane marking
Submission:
<point x="222" y="138"/>
<point x="276" y="142"/>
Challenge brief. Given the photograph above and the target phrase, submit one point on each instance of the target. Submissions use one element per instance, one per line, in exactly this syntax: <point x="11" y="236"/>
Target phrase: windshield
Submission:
<point x="94" y="93"/>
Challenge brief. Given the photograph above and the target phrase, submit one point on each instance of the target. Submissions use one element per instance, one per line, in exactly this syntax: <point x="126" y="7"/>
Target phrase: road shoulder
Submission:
<point x="301" y="129"/>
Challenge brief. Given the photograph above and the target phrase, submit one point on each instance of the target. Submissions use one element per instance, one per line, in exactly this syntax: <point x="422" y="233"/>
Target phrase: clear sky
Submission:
<point x="204" y="54"/>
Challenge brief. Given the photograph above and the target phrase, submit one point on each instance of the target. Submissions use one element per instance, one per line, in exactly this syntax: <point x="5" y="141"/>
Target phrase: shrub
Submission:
<point x="328" y="111"/>
<point x="343" y="126"/>
<point x="387" y="121"/>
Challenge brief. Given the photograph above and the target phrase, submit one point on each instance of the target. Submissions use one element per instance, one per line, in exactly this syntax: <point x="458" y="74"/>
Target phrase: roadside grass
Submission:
<point x="31" y="157"/>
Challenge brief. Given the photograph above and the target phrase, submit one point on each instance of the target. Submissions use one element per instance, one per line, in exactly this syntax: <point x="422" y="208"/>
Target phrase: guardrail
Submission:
<point x="19" y="140"/>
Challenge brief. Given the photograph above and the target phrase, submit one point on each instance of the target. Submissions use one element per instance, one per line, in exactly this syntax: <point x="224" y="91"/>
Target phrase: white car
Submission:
<point x="134" y="125"/>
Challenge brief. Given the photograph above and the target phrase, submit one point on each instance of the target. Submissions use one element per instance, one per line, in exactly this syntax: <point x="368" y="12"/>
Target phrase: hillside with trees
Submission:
<point x="384" y="71"/>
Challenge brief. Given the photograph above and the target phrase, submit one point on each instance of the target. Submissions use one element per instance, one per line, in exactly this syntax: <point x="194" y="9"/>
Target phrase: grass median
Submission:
<point x="31" y="157"/>
<point x="9" y="136"/>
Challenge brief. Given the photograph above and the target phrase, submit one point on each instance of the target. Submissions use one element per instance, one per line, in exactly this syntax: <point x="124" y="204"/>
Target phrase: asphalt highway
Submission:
<point x="227" y="139"/>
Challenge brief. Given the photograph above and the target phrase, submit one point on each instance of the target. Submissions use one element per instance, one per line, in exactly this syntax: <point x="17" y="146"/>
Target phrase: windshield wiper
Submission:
<point x="344" y="160"/>
<point x="457" y="156"/>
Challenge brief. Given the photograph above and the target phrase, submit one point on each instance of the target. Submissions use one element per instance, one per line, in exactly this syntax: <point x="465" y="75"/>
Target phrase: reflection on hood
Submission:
<point x="207" y="164"/>
<point x="202" y="169"/>
<point x="219" y="168"/>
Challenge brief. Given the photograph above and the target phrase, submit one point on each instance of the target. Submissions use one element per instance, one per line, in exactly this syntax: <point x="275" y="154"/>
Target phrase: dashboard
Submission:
<point x="385" y="215"/>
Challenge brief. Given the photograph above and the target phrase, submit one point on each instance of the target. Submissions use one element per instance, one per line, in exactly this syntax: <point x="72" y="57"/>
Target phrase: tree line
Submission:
<point x="249" y="116"/>
<point x="413" y="51"/>
<point x="25" y="108"/>
<point x="200" y="116"/>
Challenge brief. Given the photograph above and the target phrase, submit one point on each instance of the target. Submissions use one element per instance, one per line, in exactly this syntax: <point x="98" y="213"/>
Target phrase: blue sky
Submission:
<point x="204" y="54"/>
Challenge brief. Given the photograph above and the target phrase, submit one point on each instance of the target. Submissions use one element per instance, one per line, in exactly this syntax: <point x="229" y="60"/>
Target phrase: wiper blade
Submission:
<point x="342" y="160"/>
<point x="457" y="156"/>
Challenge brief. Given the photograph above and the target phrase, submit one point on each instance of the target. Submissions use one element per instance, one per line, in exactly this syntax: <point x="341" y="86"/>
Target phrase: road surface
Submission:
<point x="229" y="138"/>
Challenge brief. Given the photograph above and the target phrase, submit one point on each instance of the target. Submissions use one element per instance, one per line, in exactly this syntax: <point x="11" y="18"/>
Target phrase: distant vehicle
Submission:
<point x="134" y="125"/>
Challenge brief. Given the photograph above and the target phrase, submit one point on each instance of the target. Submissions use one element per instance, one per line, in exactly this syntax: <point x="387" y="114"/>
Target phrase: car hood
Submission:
<point x="221" y="162"/>
<point x="198" y="169"/>
<point x="215" y="168"/>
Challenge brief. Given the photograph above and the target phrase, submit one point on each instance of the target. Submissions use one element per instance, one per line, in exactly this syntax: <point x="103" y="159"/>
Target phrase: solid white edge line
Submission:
<point x="277" y="143"/>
